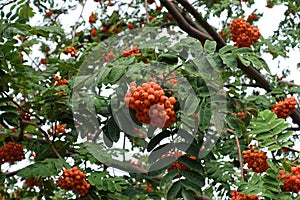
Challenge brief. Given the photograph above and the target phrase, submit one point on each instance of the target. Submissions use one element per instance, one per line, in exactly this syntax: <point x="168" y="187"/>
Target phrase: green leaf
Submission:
<point x="244" y="61"/>
<point x="173" y="191"/>
<point x="233" y="123"/>
<point x="274" y="147"/>
<point x="168" y="58"/>
<point x="99" y="152"/>
<point x="166" y="179"/>
<point x="9" y="115"/>
<point x="191" y="186"/>
<point x="243" y="50"/>
<point x="156" y="139"/>
<point x="280" y="128"/>
<point x="205" y="114"/>
<point x="229" y="60"/>
<point x="192" y="164"/>
<point x="5" y="99"/>
<point x="210" y="46"/>
<point x="187" y="195"/>
<point x="191" y="104"/>
<point x="160" y="151"/>
<point x="113" y="130"/>
<point x="267" y="142"/>
<point x="116" y="73"/>
<point x="226" y="49"/>
<point x="193" y="176"/>
<point x="271" y="165"/>
<point x="45" y="168"/>
<point x="2" y="178"/>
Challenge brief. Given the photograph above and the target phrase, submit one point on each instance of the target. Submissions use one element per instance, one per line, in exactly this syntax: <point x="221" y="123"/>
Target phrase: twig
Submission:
<point x="76" y="24"/>
<point x="240" y="157"/>
<point x="27" y="10"/>
<point x="290" y="149"/>
<point x="147" y="12"/>
<point x="7" y="3"/>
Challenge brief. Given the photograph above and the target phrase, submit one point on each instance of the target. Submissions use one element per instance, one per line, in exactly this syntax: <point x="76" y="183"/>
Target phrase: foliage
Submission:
<point x="62" y="95"/>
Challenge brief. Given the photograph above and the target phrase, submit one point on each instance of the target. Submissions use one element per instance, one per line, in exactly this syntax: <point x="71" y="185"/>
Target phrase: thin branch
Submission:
<point x="195" y="25"/>
<point x="201" y="197"/>
<point x="242" y="84"/>
<point x="294" y="128"/>
<point x="7" y="3"/>
<point x="45" y="135"/>
<point x="27" y="10"/>
<point x="290" y="149"/>
<point x="240" y="156"/>
<point x="76" y="24"/>
<point x="182" y="23"/>
<point x="147" y="12"/>
<point x="191" y="9"/>
<point x="9" y="174"/>
<point x="288" y="83"/>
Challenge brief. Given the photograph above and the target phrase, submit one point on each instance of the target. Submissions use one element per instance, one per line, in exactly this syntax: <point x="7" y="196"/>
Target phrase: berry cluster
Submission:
<point x="151" y="105"/>
<point x="130" y="26"/>
<point x="223" y="34"/>
<point x="252" y="17"/>
<point x="148" y="188"/>
<point x="242" y="115"/>
<point x="33" y="182"/>
<point x="74" y="179"/>
<point x="57" y="129"/>
<point x="11" y="152"/>
<point x="235" y="195"/>
<point x="107" y="29"/>
<point x="92" y="18"/>
<point x="59" y="81"/>
<point x="243" y="34"/>
<point x="43" y="61"/>
<point x="177" y="165"/>
<point x="49" y="13"/>
<point x="131" y="52"/>
<point x="110" y="56"/>
<point x="93" y="32"/>
<point x="256" y="160"/>
<point x="291" y="181"/>
<point x="283" y="109"/>
<point x="70" y="50"/>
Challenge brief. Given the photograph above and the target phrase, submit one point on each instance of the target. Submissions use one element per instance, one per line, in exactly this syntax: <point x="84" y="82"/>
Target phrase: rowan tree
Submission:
<point x="183" y="109"/>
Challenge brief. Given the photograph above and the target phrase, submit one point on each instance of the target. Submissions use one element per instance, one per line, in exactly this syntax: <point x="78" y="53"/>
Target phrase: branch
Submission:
<point x="147" y="11"/>
<point x="290" y="84"/>
<point x="9" y="174"/>
<point x="182" y="23"/>
<point x="191" y="9"/>
<point x="201" y="197"/>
